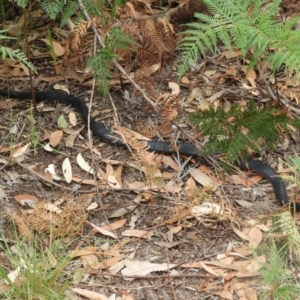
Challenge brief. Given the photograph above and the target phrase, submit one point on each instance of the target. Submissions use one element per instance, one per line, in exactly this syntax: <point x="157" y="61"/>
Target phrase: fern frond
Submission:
<point x="285" y="224"/>
<point x="4" y="37"/>
<point x="246" y="25"/>
<point x="235" y="132"/>
<point x="69" y="10"/>
<point x="278" y="279"/>
<point x="101" y="65"/>
<point x="16" y="55"/>
<point x="95" y="8"/>
<point x="118" y="39"/>
<point x="275" y="264"/>
<point x="22" y="3"/>
<point x="53" y="7"/>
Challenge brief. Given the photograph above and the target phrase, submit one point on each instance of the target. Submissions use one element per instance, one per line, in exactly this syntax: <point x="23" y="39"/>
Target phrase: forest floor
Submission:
<point x="179" y="231"/>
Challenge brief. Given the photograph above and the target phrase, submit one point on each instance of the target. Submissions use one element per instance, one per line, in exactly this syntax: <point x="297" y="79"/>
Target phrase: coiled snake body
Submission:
<point x="187" y="149"/>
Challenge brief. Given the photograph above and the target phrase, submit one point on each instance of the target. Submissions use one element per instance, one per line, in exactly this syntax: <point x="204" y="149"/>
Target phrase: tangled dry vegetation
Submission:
<point x="153" y="32"/>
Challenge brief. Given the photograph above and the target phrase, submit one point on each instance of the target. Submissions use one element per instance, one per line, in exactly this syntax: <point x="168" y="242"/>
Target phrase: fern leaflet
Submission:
<point x="246" y="25"/>
<point x="235" y="132"/>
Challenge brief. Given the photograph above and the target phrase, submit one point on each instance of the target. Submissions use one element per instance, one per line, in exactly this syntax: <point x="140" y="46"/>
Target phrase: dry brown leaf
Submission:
<point x="57" y="48"/>
<point x="25" y="69"/>
<point x="143" y="268"/>
<point x="173" y="187"/>
<point x="231" y="54"/>
<point x="255" y="237"/>
<point x="25" y="199"/>
<point x="215" y="97"/>
<point x="16" y="72"/>
<point x="87" y="181"/>
<point x="249" y="73"/>
<point x="89" y="261"/>
<point x="251" y="294"/>
<point x="172" y="231"/>
<point x="19" y="152"/>
<point x="170" y="162"/>
<point x="211" y="270"/>
<point x="84" y="251"/>
<point x="4" y="288"/>
<point x="256" y="264"/>
<point x="126" y="295"/>
<point x="197" y="265"/>
<point x="22" y="227"/>
<point x="13" y="275"/>
<point x="156" y="173"/>
<point x="8" y="104"/>
<point x="174" y="87"/>
<point x="116" y="225"/>
<point x="67" y="170"/>
<point x="46" y="133"/>
<point x="103" y="231"/>
<point x="72" y="118"/>
<point x="111" y="177"/>
<point x="238" y="179"/>
<point x="185" y="80"/>
<point x="118" y="174"/>
<point x="109" y="262"/>
<point x="190" y="187"/>
<point x="52" y="260"/>
<point x="51" y="170"/>
<point x="243" y="251"/>
<point x="55" y="137"/>
<point x="168" y="245"/>
<point x="138" y="233"/>
<point x="89" y="294"/>
<point x="196" y="93"/>
<point x="92" y="206"/>
<point x="224" y="295"/>
<point x="2" y="193"/>
<point x="240" y="233"/>
<point x="122" y="211"/>
<point x="83" y="164"/>
<point x="201" y="178"/>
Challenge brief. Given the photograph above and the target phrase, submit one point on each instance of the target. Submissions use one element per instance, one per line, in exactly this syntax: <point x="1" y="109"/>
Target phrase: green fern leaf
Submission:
<point x="69" y="10"/>
<point x="246" y="25"/>
<point x="53" y="7"/>
<point x="22" y="3"/>
<point x="102" y="64"/>
<point x="16" y="55"/>
<point x="236" y="132"/>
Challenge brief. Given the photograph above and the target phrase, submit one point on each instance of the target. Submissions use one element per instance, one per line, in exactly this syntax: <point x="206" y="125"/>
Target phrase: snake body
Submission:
<point x="188" y="149"/>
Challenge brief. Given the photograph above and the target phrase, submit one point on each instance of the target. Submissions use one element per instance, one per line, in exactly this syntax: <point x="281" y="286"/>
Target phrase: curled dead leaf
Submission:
<point x="67" y="170"/>
<point x="57" y="48"/>
<point x="25" y="199"/>
<point x="55" y="137"/>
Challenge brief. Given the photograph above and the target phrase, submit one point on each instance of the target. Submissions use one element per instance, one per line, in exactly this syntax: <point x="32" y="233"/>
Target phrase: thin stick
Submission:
<point x="157" y="277"/>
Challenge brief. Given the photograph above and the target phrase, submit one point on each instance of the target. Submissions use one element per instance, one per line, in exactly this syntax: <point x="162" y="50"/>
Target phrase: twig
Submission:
<point x="157" y="277"/>
<point x="114" y="108"/>
<point x="28" y="58"/>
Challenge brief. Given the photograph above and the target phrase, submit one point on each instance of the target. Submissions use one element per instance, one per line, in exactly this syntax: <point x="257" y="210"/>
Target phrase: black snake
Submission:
<point x="187" y="149"/>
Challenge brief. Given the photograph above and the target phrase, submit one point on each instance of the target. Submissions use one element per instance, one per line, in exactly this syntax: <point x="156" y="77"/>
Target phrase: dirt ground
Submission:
<point x="175" y="237"/>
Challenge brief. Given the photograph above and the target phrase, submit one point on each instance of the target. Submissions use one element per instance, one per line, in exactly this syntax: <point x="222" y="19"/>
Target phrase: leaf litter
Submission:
<point x="159" y="226"/>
